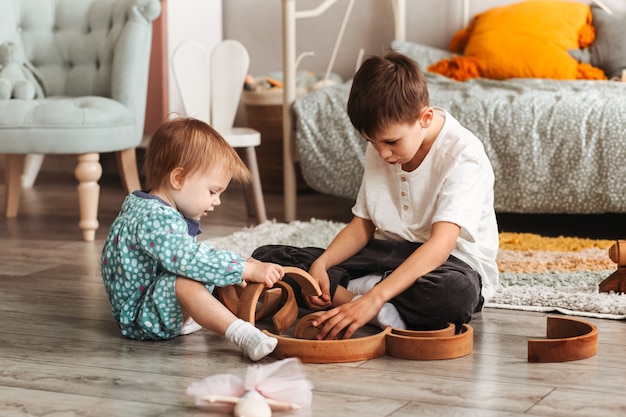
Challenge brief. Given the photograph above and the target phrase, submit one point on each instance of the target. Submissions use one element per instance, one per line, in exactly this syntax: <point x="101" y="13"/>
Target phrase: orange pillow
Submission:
<point x="528" y="39"/>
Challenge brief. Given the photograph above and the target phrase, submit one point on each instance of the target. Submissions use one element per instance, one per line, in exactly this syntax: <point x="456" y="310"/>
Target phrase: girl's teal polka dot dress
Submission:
<point x="148" y="246"/>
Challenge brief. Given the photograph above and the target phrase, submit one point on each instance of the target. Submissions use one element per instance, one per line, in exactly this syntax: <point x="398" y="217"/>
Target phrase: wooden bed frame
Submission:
<point x="290" y="65"/>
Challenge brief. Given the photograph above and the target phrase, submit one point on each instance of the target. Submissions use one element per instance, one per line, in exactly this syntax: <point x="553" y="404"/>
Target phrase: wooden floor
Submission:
<point x="61" y="353"/>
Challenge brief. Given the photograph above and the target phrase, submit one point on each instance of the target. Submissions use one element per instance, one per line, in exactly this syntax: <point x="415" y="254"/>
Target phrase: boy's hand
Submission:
<point x="262" y="272"/>
<point x="349" y="317"/>
<point x="323" y="301"/>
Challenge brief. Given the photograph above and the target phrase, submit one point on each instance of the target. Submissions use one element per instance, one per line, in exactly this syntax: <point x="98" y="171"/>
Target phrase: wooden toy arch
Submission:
<point x="567" y="339"/>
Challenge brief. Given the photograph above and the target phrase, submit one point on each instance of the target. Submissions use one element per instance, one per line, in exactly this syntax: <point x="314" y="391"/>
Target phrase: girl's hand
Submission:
<point x="263" y="272"/>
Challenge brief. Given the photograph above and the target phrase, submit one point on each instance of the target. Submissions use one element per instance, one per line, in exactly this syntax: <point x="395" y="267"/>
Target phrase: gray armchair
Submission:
<point x="92" y="60"/>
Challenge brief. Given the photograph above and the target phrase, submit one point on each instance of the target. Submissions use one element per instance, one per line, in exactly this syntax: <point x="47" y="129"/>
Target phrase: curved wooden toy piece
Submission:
<point x="288" y="313"/>
<point x="330" y="351"/>
<point x="430" y="345"/>
<point x="228" y="296"/>
<point x="568" y="339"/>
<point x="617" y="280"/>
<point x="246" y="307"/>
<point x="305" y="330"/>
<point x="617" y="252"/>
<point x="445" y="332"/>
<point x="304" y="279"/>
<point x="272" y="298"/>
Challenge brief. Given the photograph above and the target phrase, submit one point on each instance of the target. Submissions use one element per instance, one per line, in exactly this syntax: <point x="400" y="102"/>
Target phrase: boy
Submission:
<point x="420" y="251"/>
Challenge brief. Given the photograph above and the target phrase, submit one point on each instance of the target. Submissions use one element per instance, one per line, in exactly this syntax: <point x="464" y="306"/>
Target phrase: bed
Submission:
<point x="557" y="146"/>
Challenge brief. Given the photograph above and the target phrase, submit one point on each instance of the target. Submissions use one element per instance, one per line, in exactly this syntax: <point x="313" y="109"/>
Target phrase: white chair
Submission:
<point x="210" y="87"/>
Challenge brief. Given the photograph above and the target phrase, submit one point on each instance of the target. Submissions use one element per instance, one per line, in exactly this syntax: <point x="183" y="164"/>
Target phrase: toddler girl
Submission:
<point x="159" y="279"/>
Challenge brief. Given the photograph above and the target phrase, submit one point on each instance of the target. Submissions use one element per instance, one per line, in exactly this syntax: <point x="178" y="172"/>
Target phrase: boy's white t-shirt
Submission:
<point x="454" y="183"/>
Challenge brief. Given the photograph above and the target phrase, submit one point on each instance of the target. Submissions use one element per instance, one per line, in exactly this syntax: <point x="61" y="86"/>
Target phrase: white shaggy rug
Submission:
<point x="573" y="293"/>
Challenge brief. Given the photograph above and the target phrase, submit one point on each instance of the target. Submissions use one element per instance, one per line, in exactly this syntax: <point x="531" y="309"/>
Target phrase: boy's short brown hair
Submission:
<point x="192" y="145"/>
<point x="386" y="90"/>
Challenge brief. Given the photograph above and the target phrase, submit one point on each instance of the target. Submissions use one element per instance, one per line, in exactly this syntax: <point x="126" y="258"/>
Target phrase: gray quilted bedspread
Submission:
<point x="555" y="146"/>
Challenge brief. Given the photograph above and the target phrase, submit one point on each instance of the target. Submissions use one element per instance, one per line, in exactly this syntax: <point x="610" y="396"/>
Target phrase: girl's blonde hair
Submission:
<point x="192" y="145"/>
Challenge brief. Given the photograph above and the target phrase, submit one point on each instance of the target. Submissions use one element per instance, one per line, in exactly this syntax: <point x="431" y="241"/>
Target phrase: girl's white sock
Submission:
<point x="253" y="342"/>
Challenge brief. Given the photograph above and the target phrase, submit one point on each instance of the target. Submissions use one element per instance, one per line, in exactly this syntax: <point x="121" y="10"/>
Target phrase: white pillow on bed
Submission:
<point x="424" y="55"/>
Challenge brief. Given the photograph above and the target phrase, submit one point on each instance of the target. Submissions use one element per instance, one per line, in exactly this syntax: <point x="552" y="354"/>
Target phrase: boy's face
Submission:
<point x="200" y="192"/>
<point x="400" y="143"/>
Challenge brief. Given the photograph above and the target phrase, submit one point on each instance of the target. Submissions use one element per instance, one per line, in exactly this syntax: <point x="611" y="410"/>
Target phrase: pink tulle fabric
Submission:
<point x="282" y="380"/>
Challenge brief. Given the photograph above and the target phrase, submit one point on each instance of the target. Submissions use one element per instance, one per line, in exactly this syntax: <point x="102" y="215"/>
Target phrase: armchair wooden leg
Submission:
<point x="14" y="164"/>
<point x="88" y="172"/>
<point x="127" y="167"/>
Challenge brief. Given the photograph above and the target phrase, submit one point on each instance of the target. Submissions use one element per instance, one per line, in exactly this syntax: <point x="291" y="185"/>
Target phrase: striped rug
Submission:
<point x="536" y="273"/>
<point x="556" y="274"/>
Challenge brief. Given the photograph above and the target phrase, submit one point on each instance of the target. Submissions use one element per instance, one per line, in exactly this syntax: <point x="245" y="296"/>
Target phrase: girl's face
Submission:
<point x="200" y="192"/>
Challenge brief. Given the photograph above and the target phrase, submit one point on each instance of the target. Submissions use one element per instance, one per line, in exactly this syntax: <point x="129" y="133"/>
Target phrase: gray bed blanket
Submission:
<point x="555" y="146"/>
